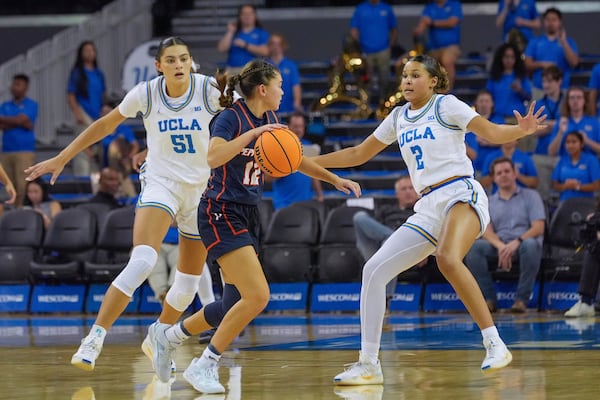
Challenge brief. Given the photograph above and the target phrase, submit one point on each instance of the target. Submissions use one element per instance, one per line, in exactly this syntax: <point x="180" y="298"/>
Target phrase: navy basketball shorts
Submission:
<point x="225" y="227"/>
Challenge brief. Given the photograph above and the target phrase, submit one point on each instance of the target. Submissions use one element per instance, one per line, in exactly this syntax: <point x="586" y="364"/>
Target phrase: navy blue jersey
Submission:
<point x="240" y="180"/>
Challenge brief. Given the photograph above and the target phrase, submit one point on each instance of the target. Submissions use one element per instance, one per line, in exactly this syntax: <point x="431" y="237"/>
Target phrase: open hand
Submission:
<point x="531" y="122"/>
<point x="52" y="166"/>
<point x="347" y="186"/>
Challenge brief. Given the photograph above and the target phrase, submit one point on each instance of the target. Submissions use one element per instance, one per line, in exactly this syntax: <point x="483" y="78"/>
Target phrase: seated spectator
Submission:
<point x="523" y="163"/>
<point x="508" y="83"/>
<point x="109" y="186"/>
<point x="292" y="91"/>
<point x="371" y="232"/>
<point x="577" y="173"/>
<point x="478" y="148"/>
<point x="297" y="186"/>
<point x="576" y="116"/>
<point x="518" y="19"/>
<point x="594" y="87"/>
<point x="588" y="281"/>
<point x="441" y="19"/>
<point x="516" y="229"/>
<point x="17" y="119"/>
<point x="552" y="103"/>
<point x="37" y="198"/>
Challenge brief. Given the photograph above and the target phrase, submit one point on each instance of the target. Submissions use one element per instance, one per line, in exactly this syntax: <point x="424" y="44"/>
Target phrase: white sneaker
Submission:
<point x="580" y="309"/>
<point x="162" y="350"/>
<point x="203" y="379"/>
<point x="362" y="372"/>
<point x="148" y="346"/>
<point x="370" y="392"/>
<point x="89" y="350"/>
<point x="497" y="354"/>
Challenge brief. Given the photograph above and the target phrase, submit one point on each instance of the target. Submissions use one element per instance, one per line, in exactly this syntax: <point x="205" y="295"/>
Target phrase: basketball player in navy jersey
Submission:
<point x="228" y="221"/>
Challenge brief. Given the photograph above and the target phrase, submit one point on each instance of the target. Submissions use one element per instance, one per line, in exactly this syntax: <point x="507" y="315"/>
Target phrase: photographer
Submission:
<point x="590" y="274"/>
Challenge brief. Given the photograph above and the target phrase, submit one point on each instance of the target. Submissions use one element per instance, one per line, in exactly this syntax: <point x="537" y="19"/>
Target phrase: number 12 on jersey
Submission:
<point x="416" y="150"/>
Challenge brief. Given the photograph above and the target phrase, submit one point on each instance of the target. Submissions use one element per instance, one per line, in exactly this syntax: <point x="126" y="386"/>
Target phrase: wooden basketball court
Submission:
<point x="424" y="356"/>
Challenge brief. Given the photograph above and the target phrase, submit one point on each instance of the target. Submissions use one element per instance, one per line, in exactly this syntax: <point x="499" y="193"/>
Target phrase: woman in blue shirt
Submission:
<point x="508" y="82"/>
<point x="577" y="173"/>
<point x="244" y="40"/>
<point x="85" y="93"/>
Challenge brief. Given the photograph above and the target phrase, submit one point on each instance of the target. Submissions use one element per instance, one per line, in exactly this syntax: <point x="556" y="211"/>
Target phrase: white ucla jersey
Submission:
<point x="431" y="139"/>
<point x="177" y="132"/>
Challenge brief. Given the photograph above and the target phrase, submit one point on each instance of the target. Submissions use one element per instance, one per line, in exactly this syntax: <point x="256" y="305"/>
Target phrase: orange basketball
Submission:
<point x="278" y="152"/>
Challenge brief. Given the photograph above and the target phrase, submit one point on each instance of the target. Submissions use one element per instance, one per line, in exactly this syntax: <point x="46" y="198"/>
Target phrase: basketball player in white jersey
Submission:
<point x="452" y="211"/>
<point x="177" y="107"/>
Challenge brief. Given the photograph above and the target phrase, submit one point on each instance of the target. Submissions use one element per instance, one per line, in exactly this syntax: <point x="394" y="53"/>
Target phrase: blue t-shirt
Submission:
<point x="19" y="138"/>
<point x="443" y="37"/>
<point x="588" y="124"/>
<point x="374" y="23"/>
<point x="525" y="9"/>
<point x="238" y="56"/>
<point x="524" y="164"/>
<point x="92" y="104"/>
<point x="292" y="188"/>
<point x="240" y="180"/>
<point x="290" y="77"/>
<point x="586" y="170"/>
<point x="543" y="49"/>
<point x="595" y="82"/>
<point x="123" y="131"/>
<point x="505" y="99"/>
<point x="552" y="112"/>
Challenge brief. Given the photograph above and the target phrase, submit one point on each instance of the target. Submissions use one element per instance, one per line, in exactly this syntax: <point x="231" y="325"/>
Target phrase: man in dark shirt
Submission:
<point x="110" y="184"/>
<point x="372" y="232"/>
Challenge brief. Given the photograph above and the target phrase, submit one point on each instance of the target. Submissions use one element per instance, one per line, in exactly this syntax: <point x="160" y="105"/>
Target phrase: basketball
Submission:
<point x="278" y="152"/>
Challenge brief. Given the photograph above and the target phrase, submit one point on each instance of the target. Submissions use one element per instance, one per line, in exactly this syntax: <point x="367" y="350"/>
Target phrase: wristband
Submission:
<point x="520" y="239"/>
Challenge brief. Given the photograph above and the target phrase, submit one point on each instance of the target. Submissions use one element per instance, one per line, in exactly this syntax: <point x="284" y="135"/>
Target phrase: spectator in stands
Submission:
<point x="8" y="187"/>
<point x="589" y="279"/>
<point x="552" y="103"/>
<point x="110" y="184"/>
<point x="297" y="186"/>
<point x="371" y="232"/>
<point x="518" y="19"/>
<point x="17" y="118"/>
<point x="118" y="150"/>
<point x="523" y="165"/>
<point x="479" y="148"/>
<point x="577" y="173"/>
<point x="292" y="91"/>
<point x="594" y="87"/>
<point x="37" y="198"/>
<point x="85" y="93"/>
<point x="374" y="26"/>
<point x="441" y="18"/>
<point x="508" y="82"/>
<point x="516" y="229"/>
<point x="244" y="40"/>
<point x="575" y="116"/>
<point x="553" y="47"/>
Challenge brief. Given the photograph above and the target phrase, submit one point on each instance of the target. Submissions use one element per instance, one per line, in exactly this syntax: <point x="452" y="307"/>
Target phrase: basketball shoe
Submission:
<point x="363" y="372"/>
<point x="203" y="378"/>
<point x="88" y="352"/>
<point x="148" y="346"/>
<point x="497" y="354"/>
<point x="580" y="309"/>
<point x="158" y="347"/>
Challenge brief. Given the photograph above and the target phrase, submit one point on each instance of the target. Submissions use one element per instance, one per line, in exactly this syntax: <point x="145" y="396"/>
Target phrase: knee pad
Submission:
<point x="142" y="261"/>
<point x="182" y="292"/>
<point x="214" y="312"/>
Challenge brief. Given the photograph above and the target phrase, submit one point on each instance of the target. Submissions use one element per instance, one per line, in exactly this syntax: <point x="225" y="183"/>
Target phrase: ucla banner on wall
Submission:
<point x="288" y="296"/>
<point x="60" y="298"/>
<point x="14" y="298"/>
<point x="335" y="297"/>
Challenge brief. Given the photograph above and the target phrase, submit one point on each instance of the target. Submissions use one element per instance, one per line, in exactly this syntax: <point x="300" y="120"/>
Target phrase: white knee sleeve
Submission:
<point x="182" y="293"/>
<point x="142" y="260"/>
<point x="205" y="289"/>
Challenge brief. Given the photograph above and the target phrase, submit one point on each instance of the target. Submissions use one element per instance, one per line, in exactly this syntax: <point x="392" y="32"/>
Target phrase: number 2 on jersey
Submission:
<point x="183" y="144"/>
<point x="416" y="150"/>
<point x="251" y="174"/>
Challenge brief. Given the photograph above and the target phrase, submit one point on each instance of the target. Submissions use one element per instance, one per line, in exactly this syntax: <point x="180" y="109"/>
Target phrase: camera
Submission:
<point x="588" y="234"/>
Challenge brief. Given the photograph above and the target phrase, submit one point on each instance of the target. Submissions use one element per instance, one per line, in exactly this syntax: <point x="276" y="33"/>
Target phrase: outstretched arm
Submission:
<point x="314" y="170"/>
<point x="351" y="156"/>
<point x="8" y="186"/>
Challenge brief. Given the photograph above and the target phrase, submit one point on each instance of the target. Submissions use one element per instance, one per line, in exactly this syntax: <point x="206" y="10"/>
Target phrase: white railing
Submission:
<point x="115" y="30"/>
